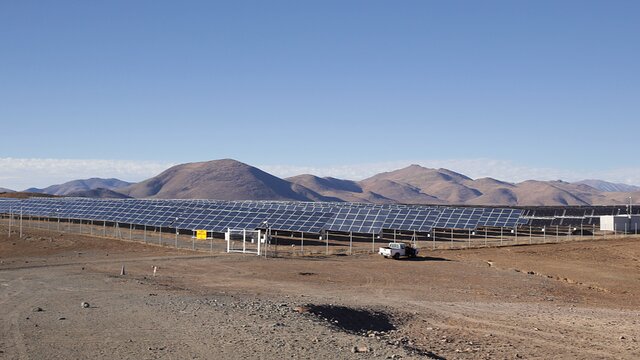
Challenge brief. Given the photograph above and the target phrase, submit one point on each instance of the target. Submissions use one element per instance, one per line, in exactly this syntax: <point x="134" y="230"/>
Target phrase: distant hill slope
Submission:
<point x="23" y="195"/>
<point x="5" y="190"/>
<point x="609" y="186"/>
<point x="225" y="179"/>
<point x="418" y="185"/>
<point x="81" y="185"/>
<point x="99" y="193"/>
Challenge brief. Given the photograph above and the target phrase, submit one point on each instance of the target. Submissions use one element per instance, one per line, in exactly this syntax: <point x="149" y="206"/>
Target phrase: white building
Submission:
<point x="620" y="223"/>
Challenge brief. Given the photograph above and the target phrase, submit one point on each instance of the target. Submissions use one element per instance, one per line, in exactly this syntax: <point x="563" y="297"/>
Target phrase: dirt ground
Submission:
<point x="572" y="300"/>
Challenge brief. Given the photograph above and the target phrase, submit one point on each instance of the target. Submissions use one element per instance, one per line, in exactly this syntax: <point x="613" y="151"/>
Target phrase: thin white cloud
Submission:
<point x="20" y="174"/>
<point x="475" y="168"/>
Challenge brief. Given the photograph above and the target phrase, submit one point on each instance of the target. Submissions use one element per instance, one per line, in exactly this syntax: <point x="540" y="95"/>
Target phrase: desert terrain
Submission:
<point x="576" y="300"/>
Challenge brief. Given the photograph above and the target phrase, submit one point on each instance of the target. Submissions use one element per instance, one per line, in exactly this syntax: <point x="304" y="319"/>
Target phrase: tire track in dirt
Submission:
<point x="515" y="333"/>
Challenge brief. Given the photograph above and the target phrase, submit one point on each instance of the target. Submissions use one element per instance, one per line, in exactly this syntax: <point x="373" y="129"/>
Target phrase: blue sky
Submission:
<point x="543" y="89"/>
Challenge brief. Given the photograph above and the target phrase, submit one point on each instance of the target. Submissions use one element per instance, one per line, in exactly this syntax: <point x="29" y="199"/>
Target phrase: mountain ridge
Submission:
<point x="228" y="179"/>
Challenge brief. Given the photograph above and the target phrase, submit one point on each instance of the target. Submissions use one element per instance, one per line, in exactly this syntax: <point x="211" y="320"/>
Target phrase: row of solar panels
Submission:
<point x="577" y="212"/>
<point x="309" y="217"/>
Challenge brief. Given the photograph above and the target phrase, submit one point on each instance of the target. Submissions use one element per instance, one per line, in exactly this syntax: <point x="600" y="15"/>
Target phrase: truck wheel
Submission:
<point x="396" y="256"/>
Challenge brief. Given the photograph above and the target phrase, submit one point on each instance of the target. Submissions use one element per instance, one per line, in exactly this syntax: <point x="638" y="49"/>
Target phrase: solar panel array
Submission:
<point x="571" y="216"/>
<point x="312" y="217"/>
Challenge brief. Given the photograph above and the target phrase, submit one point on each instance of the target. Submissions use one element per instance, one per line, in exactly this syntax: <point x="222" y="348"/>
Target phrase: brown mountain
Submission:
<point x="345" y="190"/>
<point x="77" y="186"/>
<point x="418" y="185"/>
<point x="220" y="179"/>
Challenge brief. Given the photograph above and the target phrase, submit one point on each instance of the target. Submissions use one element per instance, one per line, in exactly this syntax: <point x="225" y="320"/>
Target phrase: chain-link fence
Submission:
<point x="282" y="243"/>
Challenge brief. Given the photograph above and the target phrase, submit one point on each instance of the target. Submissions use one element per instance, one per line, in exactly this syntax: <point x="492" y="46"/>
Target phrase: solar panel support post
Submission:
<point x="516" y="233"/>
<point x="144" y="234"/>
<point x="530" y="234"/>
<point x="159" y="235"/>
<point x="21" y="223"/>
<point x="301" y="243"/>
<point x="469" y="237"/>
<point x="327" y="242"/>
<point x="486" y="235"/>
<point x="130" y="231"/>
<point x="557" y="233"/>
<point x="10" y="220"/>
<point x="451" y="238"/>
<point x="373" y="243"/>
<point x="104" y="228"/>
<point x="501" y="235"/>
<point x="394" y="235"/>
<point x="91" y="228"/>
<point x="350" y="242"/>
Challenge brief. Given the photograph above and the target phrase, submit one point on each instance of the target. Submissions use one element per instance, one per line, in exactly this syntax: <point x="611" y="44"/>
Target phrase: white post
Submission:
<point x="21" y="223"/>
<point x="327" y="242"/>
<point x="350" y="242"/>
<point x="144" y="236"/>
<point x="130" y="231"/>
<point x="301" y="243"/>
<point x="258" y="243"/>
<point x="244" y="240"/>
<point x="501" y="235"/>
<point x="10" y="219"/>
<point x="485" y="236"/>
<point x="469" y="237"/>
<point x="160" y="236"/>
<point x="373" y="242"/>
<point x="451" y="238"/>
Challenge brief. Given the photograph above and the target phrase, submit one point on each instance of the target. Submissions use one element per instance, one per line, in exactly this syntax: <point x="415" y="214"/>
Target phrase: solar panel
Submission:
<point x="358" y="220"/>
<point x="412" y="219"/>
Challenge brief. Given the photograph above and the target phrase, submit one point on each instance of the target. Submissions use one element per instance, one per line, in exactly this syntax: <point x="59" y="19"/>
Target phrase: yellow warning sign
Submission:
<point x="201" y="234"/>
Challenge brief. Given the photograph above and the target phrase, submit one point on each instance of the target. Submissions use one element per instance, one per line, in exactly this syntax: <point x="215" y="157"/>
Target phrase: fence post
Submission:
<point x="20" y="223"/>
<point x="451" y="243"/>
<point x="373" y="242"/>
<point x="486" y="236"/>
<point x="327" y="242"/>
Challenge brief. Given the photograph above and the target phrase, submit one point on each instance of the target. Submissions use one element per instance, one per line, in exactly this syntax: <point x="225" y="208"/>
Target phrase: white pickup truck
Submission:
<point x="396" y="250"/>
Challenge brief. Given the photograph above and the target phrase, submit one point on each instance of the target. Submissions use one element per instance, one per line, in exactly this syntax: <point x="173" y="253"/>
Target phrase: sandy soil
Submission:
<point x="572" y="300"/>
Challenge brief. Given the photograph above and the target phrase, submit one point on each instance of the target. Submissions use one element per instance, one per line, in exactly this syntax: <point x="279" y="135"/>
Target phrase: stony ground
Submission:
<point x="573" y="300"/>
